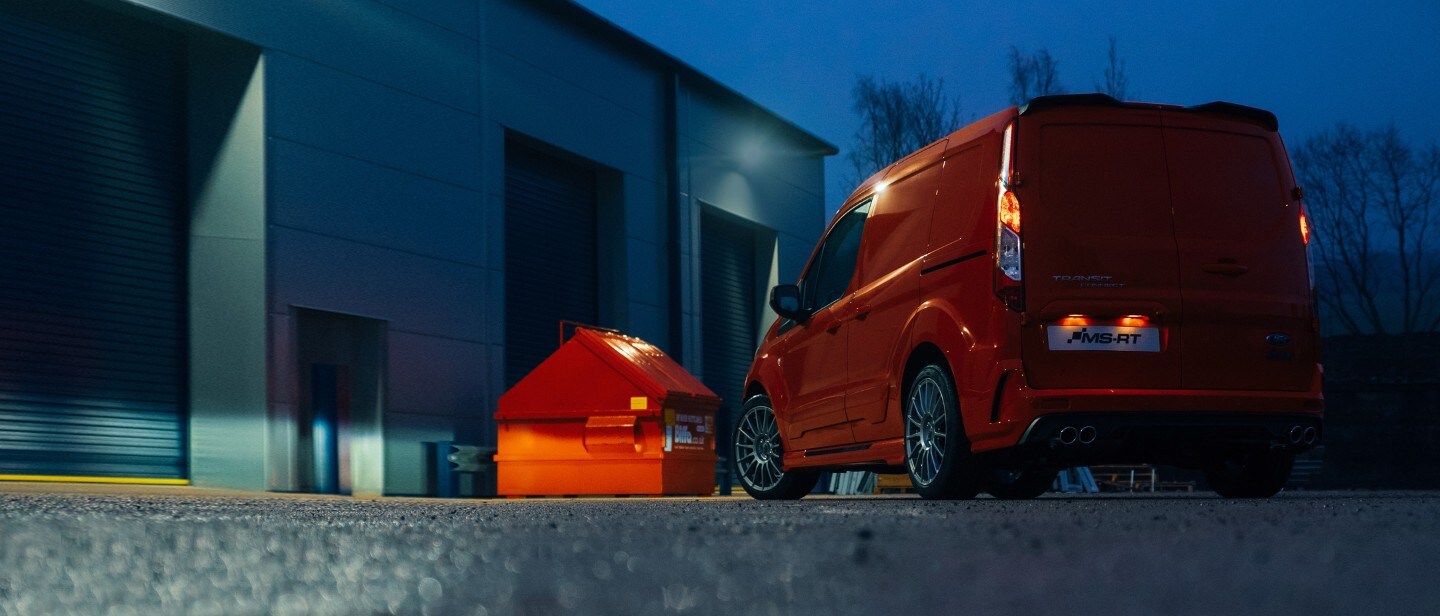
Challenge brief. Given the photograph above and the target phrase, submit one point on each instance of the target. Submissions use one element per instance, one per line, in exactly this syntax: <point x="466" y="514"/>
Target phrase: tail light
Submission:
<point x="1305" y="240"/>
<point x="1008" y="271"/>
<point x="1010" y="211"/>
<point x="1304" y="227"/>
<point x="1309" y="263"/>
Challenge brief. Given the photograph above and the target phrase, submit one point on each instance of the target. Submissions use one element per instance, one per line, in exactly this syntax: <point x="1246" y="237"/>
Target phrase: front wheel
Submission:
<point x="1250" y="474"/>
<point x="758" y="453"/>
<point x="937" y="454"/>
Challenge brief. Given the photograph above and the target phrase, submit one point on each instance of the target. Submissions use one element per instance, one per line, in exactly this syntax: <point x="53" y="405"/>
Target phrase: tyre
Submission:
<point x="1016" y="485"/>
<point x="937" y="454"/>
<point x="758" y="455"/>
<point x="1250" y="474"/>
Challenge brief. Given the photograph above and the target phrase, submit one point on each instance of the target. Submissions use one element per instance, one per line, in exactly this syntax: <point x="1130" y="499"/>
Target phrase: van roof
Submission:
<point x="924" y="156"/>
<point x="1259" y="117"/>
<point x="996" y="123"/>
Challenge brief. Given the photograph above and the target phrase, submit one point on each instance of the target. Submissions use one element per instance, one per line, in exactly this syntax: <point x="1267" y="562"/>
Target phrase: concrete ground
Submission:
<point x="111" y="550"/>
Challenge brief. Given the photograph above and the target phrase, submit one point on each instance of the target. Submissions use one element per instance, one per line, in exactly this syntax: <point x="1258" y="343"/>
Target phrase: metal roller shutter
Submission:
<point x="92" y="318"/>
<point x="550" y="254"/>
<point x="728" y="313"/>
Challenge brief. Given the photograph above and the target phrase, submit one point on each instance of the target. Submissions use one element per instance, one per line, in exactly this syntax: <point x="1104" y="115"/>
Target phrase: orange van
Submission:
<point x="1076" y="281"/>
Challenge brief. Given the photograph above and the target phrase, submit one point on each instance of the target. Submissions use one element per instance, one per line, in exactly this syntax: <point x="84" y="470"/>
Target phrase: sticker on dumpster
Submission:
<point x="639" y="403"/>
<point x="686" y="432"/>
<point x="669" y="429"/>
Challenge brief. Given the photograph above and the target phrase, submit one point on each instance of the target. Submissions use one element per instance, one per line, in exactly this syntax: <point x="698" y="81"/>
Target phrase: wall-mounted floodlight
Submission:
<point x="752" y="154"/>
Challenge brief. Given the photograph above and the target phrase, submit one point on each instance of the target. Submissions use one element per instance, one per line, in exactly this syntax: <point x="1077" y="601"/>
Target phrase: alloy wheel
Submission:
<point x="925" y="431"/>
<point x="757" y="448"/>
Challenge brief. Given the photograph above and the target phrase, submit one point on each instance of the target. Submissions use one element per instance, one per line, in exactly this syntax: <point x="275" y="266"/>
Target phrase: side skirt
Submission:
<point x="886" y="453"/>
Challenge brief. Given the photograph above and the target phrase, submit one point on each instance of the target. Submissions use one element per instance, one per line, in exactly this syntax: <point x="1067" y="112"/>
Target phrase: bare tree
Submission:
<point x="1046" y="74"/>
<point x="897" y="118"/>
<point x="1372" y="201"/>
<point x="1033" y="75"/>
<point x="1020" y="77"/>
<point x="1117" y="83"/>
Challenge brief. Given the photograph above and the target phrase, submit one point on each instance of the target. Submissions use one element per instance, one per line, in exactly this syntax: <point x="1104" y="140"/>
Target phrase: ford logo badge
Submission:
<point x="1278" y="339"/>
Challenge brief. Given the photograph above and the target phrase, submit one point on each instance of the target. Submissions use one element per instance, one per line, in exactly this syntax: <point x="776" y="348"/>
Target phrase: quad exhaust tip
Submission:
<point x="1297" y="434"/>
<point x="1303" y="435"/>
<point x="1070" y="435"/>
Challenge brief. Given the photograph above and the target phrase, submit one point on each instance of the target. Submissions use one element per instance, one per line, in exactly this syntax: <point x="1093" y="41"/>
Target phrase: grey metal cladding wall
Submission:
<point x="727" y="293"/>
<point x="550" y="254"/>
<point x="92" y="289"/>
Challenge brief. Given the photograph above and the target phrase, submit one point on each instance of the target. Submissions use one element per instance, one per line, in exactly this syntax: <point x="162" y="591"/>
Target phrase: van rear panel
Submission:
<point x="1098" y="246"/>
<point x="1161" y="250"/>
<point x="1243" y="275"/>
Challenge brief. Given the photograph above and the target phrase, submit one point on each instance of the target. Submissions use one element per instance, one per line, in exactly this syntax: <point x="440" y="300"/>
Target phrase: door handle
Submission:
<point x="829" y="323"/>
<point x="858" y="313"/>
<point x="1224" y="268"/>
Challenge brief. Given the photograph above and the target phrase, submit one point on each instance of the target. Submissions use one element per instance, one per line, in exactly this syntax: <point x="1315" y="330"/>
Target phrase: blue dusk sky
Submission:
<point x="1312" y="63"/>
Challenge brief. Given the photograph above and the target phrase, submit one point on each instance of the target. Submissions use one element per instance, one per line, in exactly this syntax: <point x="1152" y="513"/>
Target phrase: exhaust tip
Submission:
<point x="1297" y="434"/>
<point x="1087" y="435"/>
<point x="1068" y="435"/>
<point x="1310" y="435"/>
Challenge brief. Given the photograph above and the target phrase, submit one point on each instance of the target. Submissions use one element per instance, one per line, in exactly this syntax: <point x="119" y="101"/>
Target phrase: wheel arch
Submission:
<point x="935" y="334"/>
<point x="753" y="388"/>
<point x="935" y="331"/>
<point x="924" y="354"/>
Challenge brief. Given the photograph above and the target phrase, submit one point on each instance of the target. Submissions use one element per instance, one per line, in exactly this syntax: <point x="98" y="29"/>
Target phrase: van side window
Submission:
<point x="835" y="265"/>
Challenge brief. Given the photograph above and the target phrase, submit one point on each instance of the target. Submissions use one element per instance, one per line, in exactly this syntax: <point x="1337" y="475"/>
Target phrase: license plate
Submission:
<point x="1103" y="338"/>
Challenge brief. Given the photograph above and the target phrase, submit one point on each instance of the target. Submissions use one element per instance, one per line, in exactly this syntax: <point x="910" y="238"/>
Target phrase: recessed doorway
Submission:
<point x="339" y="442"/>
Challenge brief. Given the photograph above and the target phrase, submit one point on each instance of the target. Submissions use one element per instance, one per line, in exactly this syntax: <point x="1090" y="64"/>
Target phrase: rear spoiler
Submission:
<point x="1263" y="118"/>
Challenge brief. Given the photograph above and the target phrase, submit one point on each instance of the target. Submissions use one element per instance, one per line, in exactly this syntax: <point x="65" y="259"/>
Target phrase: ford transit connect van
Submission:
<point x="1077" y="281"/>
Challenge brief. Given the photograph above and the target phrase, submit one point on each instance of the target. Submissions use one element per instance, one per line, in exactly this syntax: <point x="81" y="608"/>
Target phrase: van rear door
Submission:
<point x="1248" y="319"/>
<point x="1099" y="246"/>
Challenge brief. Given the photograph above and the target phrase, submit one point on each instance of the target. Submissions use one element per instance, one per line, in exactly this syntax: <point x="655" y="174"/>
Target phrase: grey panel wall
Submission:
<point x="227" y="263"/>
<point x="384" y="43"/>
<point x="563" y="85"/>
<point x="747" y="165"/>
<point x="384" y="125"/>
<point x="372" y="130"/>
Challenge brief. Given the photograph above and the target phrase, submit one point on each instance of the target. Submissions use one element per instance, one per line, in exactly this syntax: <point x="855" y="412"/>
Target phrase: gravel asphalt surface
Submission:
<point x="1301" y="553"/>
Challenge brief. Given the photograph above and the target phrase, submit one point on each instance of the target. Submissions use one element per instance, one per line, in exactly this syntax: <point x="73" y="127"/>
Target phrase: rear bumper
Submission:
<point x="1180" y="439"/>
<point x="1169" y="426"/>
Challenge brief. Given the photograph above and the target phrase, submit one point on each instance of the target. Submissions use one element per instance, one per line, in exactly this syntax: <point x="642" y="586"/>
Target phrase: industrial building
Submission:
<point x="277" y="245"/>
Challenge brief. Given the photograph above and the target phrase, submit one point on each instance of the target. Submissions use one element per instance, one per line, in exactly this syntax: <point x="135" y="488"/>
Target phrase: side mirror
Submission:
<point x="785" y="301"/>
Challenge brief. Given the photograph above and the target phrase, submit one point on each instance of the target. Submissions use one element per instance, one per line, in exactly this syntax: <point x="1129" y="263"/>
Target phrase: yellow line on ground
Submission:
<point x="151" y="481"/>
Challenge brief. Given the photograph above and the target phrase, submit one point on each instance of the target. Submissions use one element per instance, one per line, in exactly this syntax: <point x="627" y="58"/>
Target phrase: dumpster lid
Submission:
<point x="604" y="372"/>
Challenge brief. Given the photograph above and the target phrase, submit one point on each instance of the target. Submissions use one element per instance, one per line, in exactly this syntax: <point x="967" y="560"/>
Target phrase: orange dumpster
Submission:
<point x="606" y="414"/>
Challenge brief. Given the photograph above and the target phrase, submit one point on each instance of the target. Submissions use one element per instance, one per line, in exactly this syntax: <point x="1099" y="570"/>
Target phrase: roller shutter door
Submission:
<point x="550" y="254"/>
<point x="728" y="312"/>
<point x="92" y="312"/>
